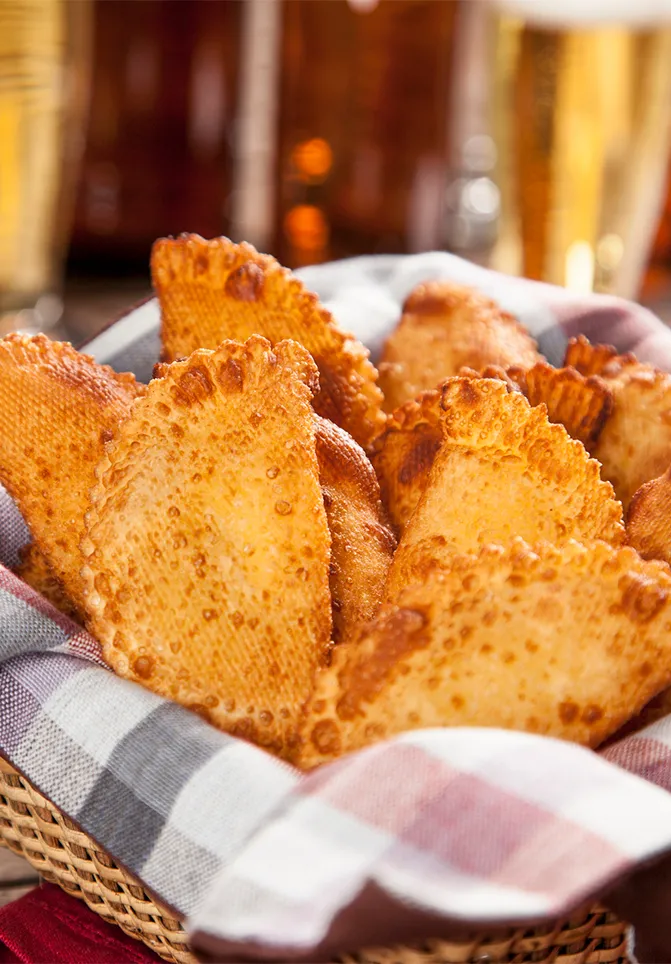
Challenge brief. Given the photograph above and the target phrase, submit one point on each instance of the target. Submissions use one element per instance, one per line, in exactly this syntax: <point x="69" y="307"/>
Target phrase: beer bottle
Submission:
<point x="363" y="127"/>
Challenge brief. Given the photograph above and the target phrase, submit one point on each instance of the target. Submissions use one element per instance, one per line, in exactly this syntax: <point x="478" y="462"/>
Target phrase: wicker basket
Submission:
<point x="32" y="827"/>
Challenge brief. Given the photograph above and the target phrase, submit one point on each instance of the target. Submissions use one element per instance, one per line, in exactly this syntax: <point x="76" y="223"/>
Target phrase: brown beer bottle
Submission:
<point x="363" y="122"/>
<point x="159" y="151"/>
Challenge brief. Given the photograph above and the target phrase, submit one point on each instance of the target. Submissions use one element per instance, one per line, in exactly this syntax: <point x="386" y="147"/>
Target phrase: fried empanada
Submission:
<point x="580" y="403"/>
<point x="58" y="408"/>
<point x="404" y="453"/>
<point x="656" y="709"/>
<point x="503" y="471"/>
<point x="362" y="544"/>
<point x="208" y="549"/>
<point x="34" y="570"/>
<point x="212" y="290"/>
<point x="589" y="359"/>
<point x="445" y="326"/>
<point x="649" y="519"/>
<point x="567" y="642"/>
<point x="635" y="443"/>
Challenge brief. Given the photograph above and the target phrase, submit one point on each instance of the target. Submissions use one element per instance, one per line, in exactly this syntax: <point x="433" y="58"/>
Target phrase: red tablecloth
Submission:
<point x="47" y="926"/>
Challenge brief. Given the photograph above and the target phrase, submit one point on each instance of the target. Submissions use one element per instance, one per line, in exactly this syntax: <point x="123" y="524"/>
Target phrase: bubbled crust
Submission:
<point x="404" y="453"/>
<point x="582" y="404"/>
<point x="503" y="471"/>
<point x="207" y="547"/>
<point x="36" y="572"/>
<point x="567" y="642"/>
<point x="635" y="444"/>
<point x="58" y="407"/>
<point x="362" y="543"/>
<point x="444" y="327"/>
<point x="591" y="359"/>
<point x="212" y="290"/>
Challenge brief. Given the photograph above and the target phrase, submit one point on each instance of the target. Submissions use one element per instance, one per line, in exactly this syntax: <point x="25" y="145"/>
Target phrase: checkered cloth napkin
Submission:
<point x="400" y="841"/>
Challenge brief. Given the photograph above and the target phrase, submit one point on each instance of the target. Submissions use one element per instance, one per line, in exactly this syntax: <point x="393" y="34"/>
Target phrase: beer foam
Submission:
<point x="639" y="14"/>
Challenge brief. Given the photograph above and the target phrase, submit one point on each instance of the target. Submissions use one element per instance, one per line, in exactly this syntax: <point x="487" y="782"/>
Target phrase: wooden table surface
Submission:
<point x="17" y="877"/>
<point x="91" y="305"/>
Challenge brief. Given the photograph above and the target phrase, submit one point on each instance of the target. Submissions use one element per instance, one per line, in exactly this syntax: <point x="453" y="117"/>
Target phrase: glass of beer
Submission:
<point x="44" y="83"/>
<point x="581" y="115"/>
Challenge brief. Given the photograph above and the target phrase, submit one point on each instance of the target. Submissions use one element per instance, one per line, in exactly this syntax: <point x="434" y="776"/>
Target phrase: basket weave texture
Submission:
<point x="32" y="827"/>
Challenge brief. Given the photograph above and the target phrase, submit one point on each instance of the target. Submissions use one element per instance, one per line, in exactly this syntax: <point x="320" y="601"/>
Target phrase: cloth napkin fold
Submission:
<point x="400" y="841"/>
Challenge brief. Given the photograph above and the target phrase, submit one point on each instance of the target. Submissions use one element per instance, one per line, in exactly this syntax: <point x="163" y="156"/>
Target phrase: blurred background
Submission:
<point x="533" y="136"/>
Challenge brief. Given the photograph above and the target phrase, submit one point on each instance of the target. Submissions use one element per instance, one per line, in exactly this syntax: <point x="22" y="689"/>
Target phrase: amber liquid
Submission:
<point x="43" y="83"/>
<point x="583" y="123"/>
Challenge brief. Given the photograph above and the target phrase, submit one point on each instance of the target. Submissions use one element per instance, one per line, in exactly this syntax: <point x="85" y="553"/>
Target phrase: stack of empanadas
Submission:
<point x="263" y="536"/>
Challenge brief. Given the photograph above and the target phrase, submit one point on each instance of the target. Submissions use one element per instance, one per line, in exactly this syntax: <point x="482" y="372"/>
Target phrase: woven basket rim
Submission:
<point x="90" y="878"/>
<point x="6" y="766"/>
